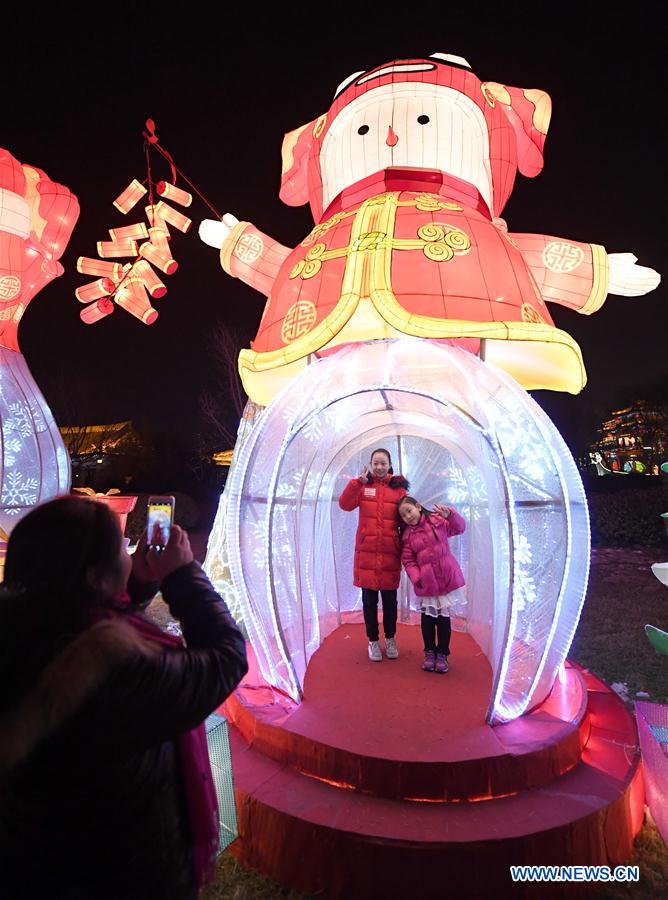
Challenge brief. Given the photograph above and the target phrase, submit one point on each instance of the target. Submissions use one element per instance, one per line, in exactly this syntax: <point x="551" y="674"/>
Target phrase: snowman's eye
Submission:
<point x="423" y="120"/>
<point x="363" y="129"/>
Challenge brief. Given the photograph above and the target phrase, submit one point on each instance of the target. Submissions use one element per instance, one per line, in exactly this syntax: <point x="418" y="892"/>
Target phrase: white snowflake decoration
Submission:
<point x="290" y="411"/>
<point x="525" y="589"/>
<point x="259" y="544"/>
<point x="39" y="419"/>
<point x="18" y="491"/>
<point x="457" y="489"/>
<point x="13" y="447"/>
<point x="20" y="419"/>
<point x="522" y="551"/>
<point x="477" y="485"/>
<point x="313" y="430"/>
<point x="289" y="487"/>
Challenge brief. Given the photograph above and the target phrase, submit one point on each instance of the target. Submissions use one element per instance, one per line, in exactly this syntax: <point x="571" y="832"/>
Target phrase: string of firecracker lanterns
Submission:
<point x="133" y="285"/>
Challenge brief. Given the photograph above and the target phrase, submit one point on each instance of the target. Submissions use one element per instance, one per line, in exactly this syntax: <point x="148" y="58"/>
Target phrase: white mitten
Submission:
<point x="213" y="232"/>
<point x="626" y="279"/>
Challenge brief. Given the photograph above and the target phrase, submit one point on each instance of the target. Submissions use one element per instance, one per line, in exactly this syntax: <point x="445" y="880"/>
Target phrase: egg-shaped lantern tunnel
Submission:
<point x="464" y="434"/>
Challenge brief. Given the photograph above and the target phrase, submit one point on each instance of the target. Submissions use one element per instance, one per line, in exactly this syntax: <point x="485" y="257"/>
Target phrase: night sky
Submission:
<point x="223" y="92"/>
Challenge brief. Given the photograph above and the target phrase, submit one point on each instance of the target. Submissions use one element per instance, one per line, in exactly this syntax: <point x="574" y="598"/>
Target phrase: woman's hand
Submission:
<point x="442" y="510"/>
<point x="363" y="474"/>
<point x="177" y="553"/>
<point x="140" y="567"/>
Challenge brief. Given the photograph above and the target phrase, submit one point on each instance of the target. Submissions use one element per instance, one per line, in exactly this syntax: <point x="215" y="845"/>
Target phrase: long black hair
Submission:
<point x="48" y="590"/>
<point x="427" y="512"/>
<point x="396" y="480"/>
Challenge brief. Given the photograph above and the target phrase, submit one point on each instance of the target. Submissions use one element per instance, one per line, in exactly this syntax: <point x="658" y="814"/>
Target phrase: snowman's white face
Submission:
<point x="418" y="125"/>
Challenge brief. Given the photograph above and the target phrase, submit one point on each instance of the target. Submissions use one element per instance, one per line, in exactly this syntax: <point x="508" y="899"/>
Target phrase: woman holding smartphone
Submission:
<point x="106" y="784"/>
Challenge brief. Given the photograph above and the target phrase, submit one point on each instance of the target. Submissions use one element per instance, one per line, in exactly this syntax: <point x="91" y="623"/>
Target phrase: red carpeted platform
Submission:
<point x="386" y="781"/>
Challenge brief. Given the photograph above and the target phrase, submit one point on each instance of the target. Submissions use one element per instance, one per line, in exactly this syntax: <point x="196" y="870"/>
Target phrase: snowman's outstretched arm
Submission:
<point x="580" y="275"/>
<point x="245" y="252"/>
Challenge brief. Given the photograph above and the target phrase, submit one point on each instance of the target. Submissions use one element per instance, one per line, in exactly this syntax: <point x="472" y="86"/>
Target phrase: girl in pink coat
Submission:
<point x="434" y="572"/>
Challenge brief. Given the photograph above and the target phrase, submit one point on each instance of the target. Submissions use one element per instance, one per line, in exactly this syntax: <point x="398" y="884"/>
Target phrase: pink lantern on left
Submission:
<point x="36" y="220"/>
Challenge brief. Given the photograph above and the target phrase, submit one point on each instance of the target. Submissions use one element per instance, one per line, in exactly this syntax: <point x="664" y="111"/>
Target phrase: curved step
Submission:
<point x="391" y="730"/>
<point x="317" y="837"/>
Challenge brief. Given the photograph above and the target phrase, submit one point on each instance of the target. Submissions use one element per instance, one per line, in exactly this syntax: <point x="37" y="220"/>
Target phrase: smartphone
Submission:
<point x="159" y="518"/>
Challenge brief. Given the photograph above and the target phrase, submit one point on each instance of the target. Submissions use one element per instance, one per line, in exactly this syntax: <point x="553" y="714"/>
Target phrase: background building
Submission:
<point x="633" y="439"/>
<point x="103" y="456"/>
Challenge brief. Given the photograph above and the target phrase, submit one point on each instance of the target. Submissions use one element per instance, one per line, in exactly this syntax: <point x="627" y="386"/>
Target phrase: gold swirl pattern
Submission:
<point x="438" y="251"/>
<point x="378" y="200"/>
<point x="430" y="203"/>
<point x="431" y="232"/>
<point x="458" y="240"/>
<point x="443" y="241"/>
<point x="311" y="268"/>
<point x="316" y="251"/>
<point x="321" y="230"/>
<point x="311" y="264"/>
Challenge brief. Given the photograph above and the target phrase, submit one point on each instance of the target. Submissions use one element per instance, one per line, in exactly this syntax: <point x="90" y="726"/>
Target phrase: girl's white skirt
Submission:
<point x="450" y="604"/>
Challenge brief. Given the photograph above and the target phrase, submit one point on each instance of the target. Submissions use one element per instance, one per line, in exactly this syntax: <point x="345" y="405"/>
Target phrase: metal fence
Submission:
<point x="218" y="740"/>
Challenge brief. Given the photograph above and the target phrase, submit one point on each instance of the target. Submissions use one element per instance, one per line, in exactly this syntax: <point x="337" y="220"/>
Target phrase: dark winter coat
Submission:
<point x="91" y="799"/>
<point x="377" y="543"/>
<point x="427" y="557"/>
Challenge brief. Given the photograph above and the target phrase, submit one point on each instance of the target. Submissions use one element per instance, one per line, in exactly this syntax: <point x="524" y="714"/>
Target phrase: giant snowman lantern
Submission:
<point x="411" y="318"/>
<point x="36" y="220"/>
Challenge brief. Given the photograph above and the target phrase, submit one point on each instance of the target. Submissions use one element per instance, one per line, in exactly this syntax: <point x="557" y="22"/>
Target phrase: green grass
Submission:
<point x="235" y="882"/>
<point x="623" y="597"/>
<point x="651" y="855"/>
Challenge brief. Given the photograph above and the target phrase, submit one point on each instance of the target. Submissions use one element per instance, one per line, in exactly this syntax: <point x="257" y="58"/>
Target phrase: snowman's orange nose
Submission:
<point x="392" y="140"/>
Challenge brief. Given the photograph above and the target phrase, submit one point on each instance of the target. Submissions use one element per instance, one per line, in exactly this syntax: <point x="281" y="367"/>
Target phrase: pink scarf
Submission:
<point x="200" y="791"/>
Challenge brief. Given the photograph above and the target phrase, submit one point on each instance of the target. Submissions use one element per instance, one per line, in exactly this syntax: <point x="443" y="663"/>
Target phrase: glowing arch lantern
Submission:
<point x="407" y="174"/>
<point x="36" y="220"/>
<point x="465" y="432"/>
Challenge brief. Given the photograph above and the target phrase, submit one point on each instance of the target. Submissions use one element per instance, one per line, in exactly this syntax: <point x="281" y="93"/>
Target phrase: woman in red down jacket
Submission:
<point x="434" y="572"/>
<point x="377" y="546"/>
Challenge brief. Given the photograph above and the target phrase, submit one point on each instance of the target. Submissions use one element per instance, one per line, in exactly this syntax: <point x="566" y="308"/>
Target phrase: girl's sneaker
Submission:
<point x="391" y="648"/>
<point x="374" y="651"/>
<point x="429" y="661"/>
<point x="441" y="664"/>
